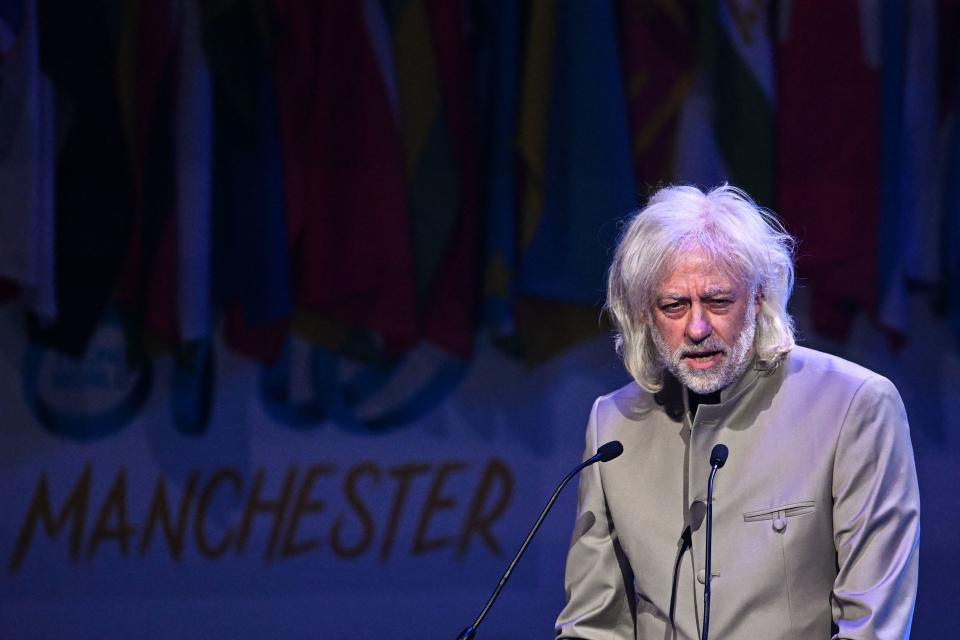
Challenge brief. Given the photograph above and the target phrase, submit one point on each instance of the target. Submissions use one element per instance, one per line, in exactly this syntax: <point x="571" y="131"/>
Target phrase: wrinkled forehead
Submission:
<point x="687" y="268"/>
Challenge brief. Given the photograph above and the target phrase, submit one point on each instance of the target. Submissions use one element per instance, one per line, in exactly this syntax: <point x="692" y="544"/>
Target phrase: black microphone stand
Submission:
<point x="718" y="457"/>
<point x="609" y="451"/>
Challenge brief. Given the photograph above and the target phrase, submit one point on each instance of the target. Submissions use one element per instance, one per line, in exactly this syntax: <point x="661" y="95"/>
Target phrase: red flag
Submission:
<point x="828" y="154"/>
<point x="344" y="173"/>
<point x="659" y="66"/>
<point x="451" y="312"/>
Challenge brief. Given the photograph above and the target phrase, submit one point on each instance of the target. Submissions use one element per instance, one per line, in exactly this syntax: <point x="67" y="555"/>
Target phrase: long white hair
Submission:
<point x="739" y="237"/>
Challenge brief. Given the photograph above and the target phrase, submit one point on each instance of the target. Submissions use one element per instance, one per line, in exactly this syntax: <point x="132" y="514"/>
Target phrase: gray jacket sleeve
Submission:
<point x="876" y="517"/>
<point x="598" y="601"/>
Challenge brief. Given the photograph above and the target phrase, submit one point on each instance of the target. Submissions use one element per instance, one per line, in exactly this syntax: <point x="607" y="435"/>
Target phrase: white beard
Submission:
<point x="733" y="363"/>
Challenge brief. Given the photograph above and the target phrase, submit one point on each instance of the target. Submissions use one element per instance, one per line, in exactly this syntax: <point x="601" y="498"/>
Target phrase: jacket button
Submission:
<point x="779" y="524"/>
<point x="702" y="575"/>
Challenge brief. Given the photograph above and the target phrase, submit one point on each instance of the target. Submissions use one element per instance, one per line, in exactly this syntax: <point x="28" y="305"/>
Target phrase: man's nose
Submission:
<point x="698" y="327"/>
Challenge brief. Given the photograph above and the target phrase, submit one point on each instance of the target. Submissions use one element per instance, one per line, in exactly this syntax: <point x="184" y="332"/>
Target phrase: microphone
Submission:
<point x="605" y="453"/>
<point x="718" y="458"/>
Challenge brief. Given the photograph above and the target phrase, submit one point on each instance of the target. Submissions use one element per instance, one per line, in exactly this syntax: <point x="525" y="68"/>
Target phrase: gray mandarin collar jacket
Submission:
<point x="816" y="513"/>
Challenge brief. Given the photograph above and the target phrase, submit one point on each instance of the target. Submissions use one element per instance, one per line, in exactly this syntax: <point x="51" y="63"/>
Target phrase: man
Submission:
<point x="816" y="512"/>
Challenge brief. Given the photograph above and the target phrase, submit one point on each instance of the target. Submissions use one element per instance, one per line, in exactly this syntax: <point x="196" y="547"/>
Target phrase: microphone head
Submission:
<point x="611" y="450"/>
<point x="718" y="457"/>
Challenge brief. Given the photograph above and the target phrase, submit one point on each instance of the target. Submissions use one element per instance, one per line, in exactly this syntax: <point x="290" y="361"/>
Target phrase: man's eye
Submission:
<point x="721" y="303"/>
<point x="671" y="306"/>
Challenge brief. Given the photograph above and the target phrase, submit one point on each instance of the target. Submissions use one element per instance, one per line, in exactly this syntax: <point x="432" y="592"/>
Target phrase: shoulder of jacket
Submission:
<point x="812" y="365"/>
<point x="629" y="391"/>
<point x="630" y="402"/>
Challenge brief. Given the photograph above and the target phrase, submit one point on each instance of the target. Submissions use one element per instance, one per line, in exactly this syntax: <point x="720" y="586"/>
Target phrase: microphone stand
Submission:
<point x="718" y="457"/>
<point x="708" y="570"/>
<point x="607" y="452"/>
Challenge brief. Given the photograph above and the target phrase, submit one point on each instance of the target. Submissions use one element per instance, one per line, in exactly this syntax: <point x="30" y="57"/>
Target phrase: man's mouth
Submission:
<point x="702" y="359"/>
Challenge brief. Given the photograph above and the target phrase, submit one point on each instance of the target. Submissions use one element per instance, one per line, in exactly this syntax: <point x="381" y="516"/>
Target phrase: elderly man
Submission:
<point x="816" y="513"/>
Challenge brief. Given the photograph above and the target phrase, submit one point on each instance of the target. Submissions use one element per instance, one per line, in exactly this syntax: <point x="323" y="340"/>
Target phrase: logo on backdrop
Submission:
<point x="309" y="385"/>
<point x="90" y="398"/>
<point x="101" y="394"/>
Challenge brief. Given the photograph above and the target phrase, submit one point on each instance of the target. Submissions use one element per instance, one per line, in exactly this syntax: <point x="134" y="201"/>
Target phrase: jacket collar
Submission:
<point x="673" y="396"/>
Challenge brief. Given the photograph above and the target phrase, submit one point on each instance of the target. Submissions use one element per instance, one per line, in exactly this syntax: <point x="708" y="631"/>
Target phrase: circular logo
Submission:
<point x="90" y="398"/>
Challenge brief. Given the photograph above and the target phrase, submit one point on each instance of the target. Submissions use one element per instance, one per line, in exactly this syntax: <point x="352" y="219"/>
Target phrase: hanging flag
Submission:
<point x="922" y="197"/>
<point x="738" y="55"/>
<point x="891" y="294"/>
<point x="433" y="83"/>
<point x="658" y="42"/>
<point x="588" y="179"/>
<point x="583" y="184"/>
<point x="532" y="130"/>
<point x="828" y="125"/>
<point x="910" y="214"/>
<point x="193" y="124"/>
<point x="26" y="162"/>
<point x="537" y="83"/>
<point x="428" y="145"/>
<point x="497" y="77"/>
<point x="93" y="185"/>
<point x="910" y="197"/>
<point x="949" y="19"/>
<point x="950" y="236"/>
<point x="451" y="305"/>
<point x="699" y="160"/>
<point x="192" y="381"/>
<point x="147" y="82"/>
<point x="344" y="173"/>
<point x="251" y="265"/>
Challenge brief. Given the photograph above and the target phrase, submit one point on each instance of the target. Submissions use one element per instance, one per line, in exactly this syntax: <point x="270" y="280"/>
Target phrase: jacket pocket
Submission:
<point x="780" y="514"/>
<point x="779" y="542"/>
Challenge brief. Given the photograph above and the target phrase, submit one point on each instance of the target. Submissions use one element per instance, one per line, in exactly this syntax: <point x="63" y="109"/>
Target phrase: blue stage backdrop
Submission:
<point x="301" y="509"/>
